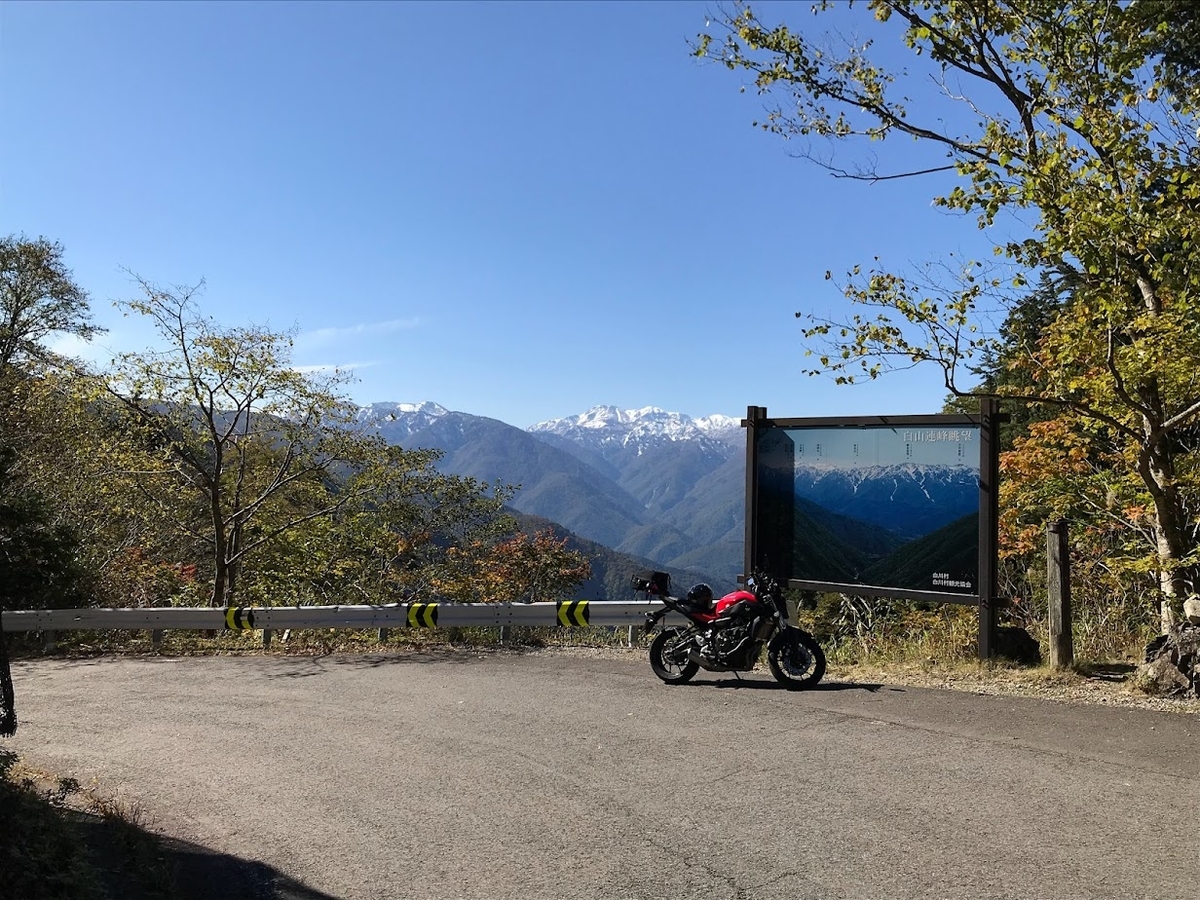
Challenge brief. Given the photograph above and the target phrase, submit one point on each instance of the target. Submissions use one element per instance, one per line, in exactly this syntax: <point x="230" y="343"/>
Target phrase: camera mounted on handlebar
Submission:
<point x="652" y="584"/>
<point x="762" y="584"/>
<point x="657" y="583"/>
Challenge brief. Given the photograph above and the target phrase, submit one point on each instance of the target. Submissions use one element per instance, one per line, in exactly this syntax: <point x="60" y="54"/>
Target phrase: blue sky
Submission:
<point x="515" y="210"/>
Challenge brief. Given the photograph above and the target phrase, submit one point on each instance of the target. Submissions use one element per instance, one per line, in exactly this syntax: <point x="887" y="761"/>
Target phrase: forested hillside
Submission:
<point x="645" y="483"/>
<point x="209" y="470"/>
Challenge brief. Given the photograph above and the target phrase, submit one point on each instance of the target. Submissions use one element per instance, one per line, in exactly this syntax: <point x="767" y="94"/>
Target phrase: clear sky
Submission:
<point x="515" y="210"/>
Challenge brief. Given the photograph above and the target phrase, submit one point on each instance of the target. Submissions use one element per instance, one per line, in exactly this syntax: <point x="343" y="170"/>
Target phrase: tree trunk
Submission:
<point x="1172" y="541"/>
<point x="220" y="574"/>
<point x="231" y="576"/>
<point x="220" y="545"/>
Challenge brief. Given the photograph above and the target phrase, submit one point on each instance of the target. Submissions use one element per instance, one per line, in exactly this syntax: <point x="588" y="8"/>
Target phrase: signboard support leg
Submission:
<point x="989" y="523"/>
<point x="754" y="416"/>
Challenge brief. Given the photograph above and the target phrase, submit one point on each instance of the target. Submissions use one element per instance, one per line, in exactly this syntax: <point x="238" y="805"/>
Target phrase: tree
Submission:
<point x="39" y="561"/>
<point x="409" y="533"/>
<point x="1073" y="115"/>
<point x="105" y="483"/>
<point x="38" y="298"/>
<point x="527" y="568"/>
<point x="1175" y="25"/>
<point x="257" y="444"/>
<point x="41" y="553"/>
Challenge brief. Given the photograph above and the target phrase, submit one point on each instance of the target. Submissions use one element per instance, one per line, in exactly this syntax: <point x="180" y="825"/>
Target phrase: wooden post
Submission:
<point x="1058" y="585"/>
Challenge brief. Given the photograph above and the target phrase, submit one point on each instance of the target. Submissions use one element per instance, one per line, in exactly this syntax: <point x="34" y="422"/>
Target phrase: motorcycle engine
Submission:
<point x="729" y="640"/>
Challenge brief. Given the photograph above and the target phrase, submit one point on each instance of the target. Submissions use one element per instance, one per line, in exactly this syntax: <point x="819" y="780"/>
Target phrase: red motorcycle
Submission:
<point x="729" y="635"/>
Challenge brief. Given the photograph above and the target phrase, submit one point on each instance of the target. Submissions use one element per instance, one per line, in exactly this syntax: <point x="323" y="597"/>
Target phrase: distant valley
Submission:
<point x="658" y="487"/>
<point x="648" y="488"/>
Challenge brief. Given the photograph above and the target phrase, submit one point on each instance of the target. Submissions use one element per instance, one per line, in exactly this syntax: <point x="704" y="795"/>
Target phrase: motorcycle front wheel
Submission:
<point x="796" y="659"/>
<point x="669" y="656"/>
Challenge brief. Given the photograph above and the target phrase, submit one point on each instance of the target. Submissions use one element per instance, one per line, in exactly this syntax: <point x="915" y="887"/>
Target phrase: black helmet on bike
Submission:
<point x="700" y="595"/>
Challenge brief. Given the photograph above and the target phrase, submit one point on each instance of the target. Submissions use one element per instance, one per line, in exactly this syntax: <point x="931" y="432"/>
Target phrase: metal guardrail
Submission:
<point x="572" y="613"/>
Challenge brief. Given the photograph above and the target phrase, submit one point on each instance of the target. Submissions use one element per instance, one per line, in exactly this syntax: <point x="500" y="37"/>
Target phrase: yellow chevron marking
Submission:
<point x="239" y="618"/>
<point x="422" y="615"/>
<point x="573" y="612"/>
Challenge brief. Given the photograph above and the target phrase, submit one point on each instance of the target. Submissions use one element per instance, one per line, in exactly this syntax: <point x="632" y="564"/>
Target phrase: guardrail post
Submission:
<point x="1058" y="586"/>
<point x="156" y="634"/>
<point x="383" y="635"/>
<point x="266" y="638"/>
<point x="630" y="642"/>
<point x="51" y="640"/>
<point x="505" y="635"/>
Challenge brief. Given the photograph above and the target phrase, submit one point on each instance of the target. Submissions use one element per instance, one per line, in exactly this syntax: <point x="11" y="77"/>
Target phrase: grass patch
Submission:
<point x="883" y="632"/>
<point x="58" y="840"/>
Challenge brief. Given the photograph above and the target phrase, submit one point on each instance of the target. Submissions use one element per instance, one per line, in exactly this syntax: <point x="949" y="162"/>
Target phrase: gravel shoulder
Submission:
<point x="1102" y="685"/>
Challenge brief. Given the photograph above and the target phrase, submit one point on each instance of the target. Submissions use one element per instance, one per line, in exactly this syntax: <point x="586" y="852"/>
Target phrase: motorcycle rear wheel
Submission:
<point x="665" y="658"/>
<point x="796" y="659"/>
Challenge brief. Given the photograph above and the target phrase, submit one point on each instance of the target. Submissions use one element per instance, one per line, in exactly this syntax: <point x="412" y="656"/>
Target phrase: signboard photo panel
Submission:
<point x="889" y="506"/>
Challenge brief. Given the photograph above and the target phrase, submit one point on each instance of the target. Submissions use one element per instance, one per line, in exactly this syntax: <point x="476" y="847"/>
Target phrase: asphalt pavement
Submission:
<point x="549" y="775"/>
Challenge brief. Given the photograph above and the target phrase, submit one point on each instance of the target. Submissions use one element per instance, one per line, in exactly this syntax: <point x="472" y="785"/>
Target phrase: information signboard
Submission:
<point x="897" y="506"/>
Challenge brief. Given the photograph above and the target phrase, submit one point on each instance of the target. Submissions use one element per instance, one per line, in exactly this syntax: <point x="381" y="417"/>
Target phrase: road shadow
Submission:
<point x="46" y="666"/>
<point x="747" y="684"/>
<point x="1106" y="671"/>
<point x="852" y="686"/>
<point x="203" y="874"/>
<point x="59" y="841"/>
<point x="309" y="666"/>
<point x="135" y="863"/>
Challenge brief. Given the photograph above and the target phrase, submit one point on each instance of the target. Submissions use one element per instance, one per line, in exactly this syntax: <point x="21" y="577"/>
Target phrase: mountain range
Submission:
<point x="650" y="488"/>
<point x="660" y="487"/>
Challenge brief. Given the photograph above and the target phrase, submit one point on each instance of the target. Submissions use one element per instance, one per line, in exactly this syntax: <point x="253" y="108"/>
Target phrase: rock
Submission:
<point x="1154" y="649"/>
<point x="1172" y="667"/>
<point x="1191" y="609"/>
<point x="1162" y="678"/>
<point x="1018" y="645"/>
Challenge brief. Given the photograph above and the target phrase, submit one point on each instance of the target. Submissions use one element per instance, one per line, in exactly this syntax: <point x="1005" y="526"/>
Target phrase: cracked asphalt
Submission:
<point x="553" y="775"/>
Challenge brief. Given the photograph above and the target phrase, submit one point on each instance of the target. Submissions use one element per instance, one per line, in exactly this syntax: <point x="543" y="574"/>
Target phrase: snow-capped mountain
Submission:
<point x="910" y="499"/>
<point x="665" y="487"/>
<point x="397" y="421"/>
<point x="607" y="428"/>
<point x="646" y="482"/>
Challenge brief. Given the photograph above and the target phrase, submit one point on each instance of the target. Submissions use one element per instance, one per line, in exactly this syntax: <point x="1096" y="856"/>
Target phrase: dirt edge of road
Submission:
<point x="1103" y="685"/>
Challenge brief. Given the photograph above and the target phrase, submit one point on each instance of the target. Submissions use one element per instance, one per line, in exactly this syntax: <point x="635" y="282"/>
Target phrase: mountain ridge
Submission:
<point x="667" y="488"/>
<point x="610" y="476"/>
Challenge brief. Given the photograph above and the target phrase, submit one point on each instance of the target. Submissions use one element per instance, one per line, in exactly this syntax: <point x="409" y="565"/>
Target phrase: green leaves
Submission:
<point x="1086" y="132"/>
<point x="38" y="298"/>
